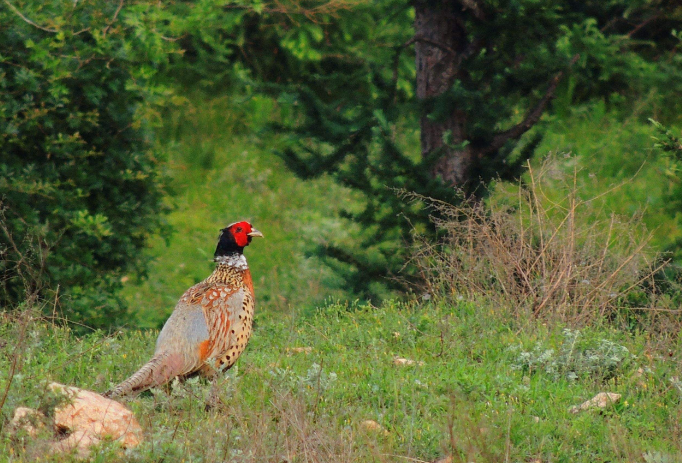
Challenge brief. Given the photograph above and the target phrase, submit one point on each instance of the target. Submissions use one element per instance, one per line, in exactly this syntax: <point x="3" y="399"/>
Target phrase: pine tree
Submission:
<point x="484" y="74"/>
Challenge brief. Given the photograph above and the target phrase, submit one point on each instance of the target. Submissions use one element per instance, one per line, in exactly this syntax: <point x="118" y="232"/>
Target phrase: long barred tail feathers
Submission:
<point x="159" y="370"/>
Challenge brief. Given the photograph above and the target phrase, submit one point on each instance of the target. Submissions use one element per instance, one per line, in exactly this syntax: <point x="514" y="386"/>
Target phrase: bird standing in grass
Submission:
<point x="211" y="323"/>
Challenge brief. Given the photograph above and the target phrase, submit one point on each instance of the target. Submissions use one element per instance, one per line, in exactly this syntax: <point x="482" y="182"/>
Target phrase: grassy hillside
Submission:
<point x="222" y="168"/>
<point x="615" y="160"/>
<point x="480" y="389"/>
<point x="477" y="385"/>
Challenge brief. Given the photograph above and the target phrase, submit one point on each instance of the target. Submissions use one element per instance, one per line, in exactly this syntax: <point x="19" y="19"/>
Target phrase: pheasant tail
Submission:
<point x="159" y="370"/>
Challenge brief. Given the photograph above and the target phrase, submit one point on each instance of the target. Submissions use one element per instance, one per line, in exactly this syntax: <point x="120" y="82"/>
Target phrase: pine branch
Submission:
<point x="25" y="19"/>
<point x="531" y="118"/>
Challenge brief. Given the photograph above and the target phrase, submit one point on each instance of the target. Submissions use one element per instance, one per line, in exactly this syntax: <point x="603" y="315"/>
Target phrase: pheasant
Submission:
<point x="211" y="323"/>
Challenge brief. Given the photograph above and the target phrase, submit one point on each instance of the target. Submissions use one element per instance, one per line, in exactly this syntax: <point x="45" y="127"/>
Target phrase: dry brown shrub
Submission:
<point x="540" y="256"/>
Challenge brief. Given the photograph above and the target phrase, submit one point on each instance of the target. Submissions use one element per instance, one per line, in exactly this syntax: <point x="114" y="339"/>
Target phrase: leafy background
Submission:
<point x="131" y="132"/>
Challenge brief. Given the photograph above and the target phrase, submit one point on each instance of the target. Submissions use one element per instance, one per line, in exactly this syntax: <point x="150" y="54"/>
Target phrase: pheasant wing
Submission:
<point x="229" y="316"/>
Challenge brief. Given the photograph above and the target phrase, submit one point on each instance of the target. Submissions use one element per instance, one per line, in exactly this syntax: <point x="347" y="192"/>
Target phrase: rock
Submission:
<point x="91" y="418"/>
<point x="405" y="362"/>
<point x="87" y="419"/>
<point x="80" y="441"/>
<point x="371" y="425"/>
<point x="601" y="400"/>
<point x="29" y="420"/>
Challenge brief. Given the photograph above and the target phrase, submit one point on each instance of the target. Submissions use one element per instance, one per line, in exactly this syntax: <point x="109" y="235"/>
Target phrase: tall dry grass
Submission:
<point x="545" y="256"/>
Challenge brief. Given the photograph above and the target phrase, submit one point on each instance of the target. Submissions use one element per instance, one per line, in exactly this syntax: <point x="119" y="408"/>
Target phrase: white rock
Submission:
<point x="29" y="420"/>
<point x="405" y="362"/>
<point x="371" y="425"/>
<point x="96" y="416"/>
<point x="88" y="418"/>
<point x="601" y="400"/>
<point x="80" y="441"/>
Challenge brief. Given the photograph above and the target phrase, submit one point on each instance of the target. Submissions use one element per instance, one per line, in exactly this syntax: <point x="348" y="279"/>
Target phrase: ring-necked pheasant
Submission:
<point x="211" y="323"/>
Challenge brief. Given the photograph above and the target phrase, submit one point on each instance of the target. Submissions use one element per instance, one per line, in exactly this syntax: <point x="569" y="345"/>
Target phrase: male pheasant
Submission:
<point x="211" y="323"/>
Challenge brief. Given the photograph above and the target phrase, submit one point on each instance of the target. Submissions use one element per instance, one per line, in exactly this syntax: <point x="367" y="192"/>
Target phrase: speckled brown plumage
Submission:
<point x="211" y="323"/>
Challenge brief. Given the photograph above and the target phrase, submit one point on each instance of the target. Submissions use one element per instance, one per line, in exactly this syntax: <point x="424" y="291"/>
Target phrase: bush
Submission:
<point x="541" y="256"/>
<point x="575" y="358"/>
<point x="79" y="189"/>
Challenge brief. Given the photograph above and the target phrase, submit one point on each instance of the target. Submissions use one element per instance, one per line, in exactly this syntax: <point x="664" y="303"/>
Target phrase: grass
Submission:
<point x="615" y="160"/>
<point x="485" y="391"/>
<point x="222" y="168"/>
<point x="492" y="387"/>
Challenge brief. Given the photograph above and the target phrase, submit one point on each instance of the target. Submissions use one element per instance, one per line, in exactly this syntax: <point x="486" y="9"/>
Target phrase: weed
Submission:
<point x="538" y="257"/>
<point x="599" y="359"/>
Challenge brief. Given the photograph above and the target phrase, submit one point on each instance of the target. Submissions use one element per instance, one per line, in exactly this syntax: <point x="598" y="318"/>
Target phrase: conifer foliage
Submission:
<point x="476" y="77"/>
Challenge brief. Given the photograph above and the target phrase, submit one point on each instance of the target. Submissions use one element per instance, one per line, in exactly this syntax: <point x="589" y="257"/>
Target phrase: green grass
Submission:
<point x="615" y="160"/>
<point x="474" y="396"/>
<point x="487" y="390"/>
<point x="222" y="168"/>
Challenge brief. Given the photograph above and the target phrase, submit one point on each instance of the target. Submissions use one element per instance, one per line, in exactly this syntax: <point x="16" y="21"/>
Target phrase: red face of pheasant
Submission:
<point x="235" y="237"/>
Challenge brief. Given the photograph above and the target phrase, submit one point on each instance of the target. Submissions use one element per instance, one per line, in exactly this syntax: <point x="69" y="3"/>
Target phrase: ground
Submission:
<point x="479" y="389"/>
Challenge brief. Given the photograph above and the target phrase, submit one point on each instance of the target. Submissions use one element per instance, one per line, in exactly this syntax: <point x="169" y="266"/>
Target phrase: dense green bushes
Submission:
<point x="79" y="185"/>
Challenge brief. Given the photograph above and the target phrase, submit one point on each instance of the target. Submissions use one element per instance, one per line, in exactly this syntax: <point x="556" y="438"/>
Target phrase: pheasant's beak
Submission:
<point x="255" y="233"/>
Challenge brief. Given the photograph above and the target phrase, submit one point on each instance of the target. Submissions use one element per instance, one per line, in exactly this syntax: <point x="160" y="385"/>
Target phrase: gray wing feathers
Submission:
<point x="177" y="351"/>
<point x="184" y="331"/>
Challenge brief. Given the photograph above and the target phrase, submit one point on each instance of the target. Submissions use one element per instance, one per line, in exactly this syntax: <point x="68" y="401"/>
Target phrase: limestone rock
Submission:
<point x="87" y="418"/>
<point x="371" y="425"/>
<point x="80" y="441"/>
<point x="399" y="361"/>
<point x="601" y="400"/>
<point x="29" y="420"/>
<point x="91" y="418"/>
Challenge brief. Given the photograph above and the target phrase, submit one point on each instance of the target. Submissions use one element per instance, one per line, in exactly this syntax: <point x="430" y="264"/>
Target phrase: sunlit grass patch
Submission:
<point x="221" y="172"/>
<point x="469" y="392"/>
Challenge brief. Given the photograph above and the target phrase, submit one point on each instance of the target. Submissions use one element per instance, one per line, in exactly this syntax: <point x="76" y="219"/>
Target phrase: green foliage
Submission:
<point x="670" y="145"/>
<point x="356" y="117"/>
<point x="79" y="185"/>
<point x="575" y="357"/>
<point x="667" y="141"/>
<point x="80" y="168"/>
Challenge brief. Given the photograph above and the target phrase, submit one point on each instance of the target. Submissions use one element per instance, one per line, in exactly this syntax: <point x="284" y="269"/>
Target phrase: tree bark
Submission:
<point x="440" y="42"/>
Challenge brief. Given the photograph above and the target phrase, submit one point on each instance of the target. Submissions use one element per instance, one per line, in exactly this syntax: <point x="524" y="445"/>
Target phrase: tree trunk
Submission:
<point x="439" y="43"/>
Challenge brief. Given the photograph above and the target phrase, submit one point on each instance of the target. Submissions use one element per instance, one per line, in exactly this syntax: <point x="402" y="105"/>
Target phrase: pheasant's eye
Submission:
<point x="239" y="229"/>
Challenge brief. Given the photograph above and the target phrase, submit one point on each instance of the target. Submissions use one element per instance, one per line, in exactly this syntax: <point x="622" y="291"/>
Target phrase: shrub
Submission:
<point x="79" y="189"/>
<point x="575" y="358"/>
<point x="539" y="256"/>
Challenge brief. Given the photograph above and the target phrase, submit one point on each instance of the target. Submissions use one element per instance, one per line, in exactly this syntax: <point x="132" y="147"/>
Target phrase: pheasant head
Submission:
<point x="234" y="238"/>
